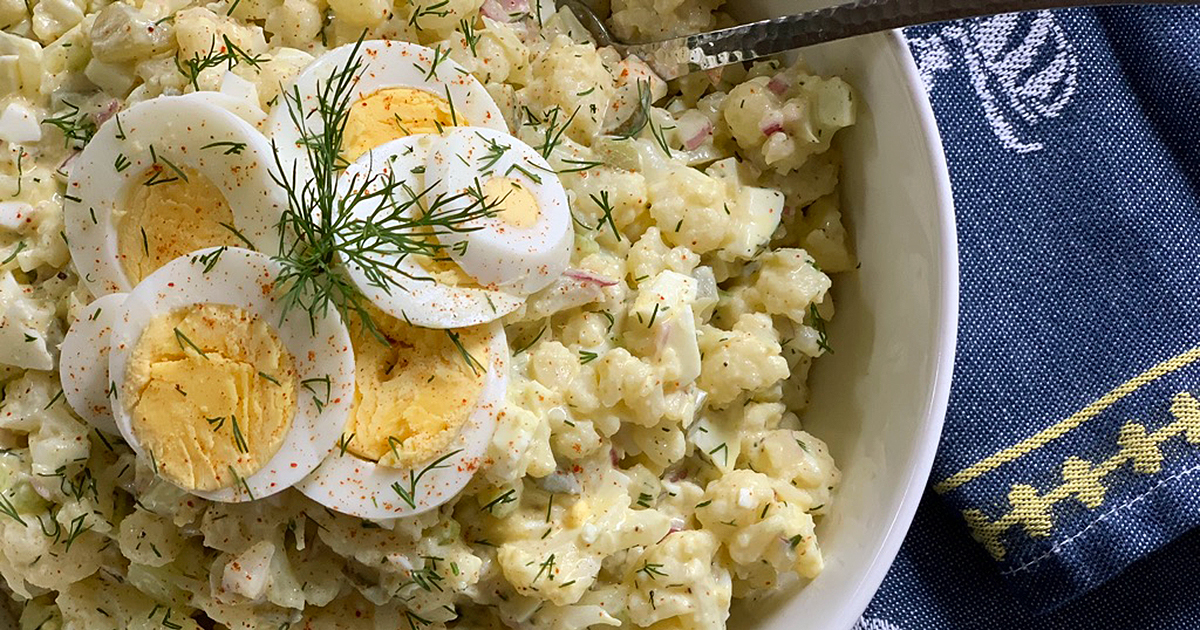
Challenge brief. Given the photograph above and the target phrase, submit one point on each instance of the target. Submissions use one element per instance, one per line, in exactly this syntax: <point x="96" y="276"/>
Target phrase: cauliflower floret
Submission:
<point x="788" y="282"/>
<point x="689" y="208"/>
<point x="825" y="237"/>
<point x="572" y="78"/>
<point x="679" y="584"/>
<point x="362" y="14"/>
<point x="99" y="603"/>
<point x="250" y="10"/>
<point x="122" y="33"/>
<point x="754" y="522"/>
<point x="779" y="122"/>
<point x="745" y="359"/>
<point x="612" y="201"/>
<point x="52" y="18"/>
<point x="623" y="377"/>
<point x="562" y="566"/>
<point x="652" y="20"/>
<point x="434" y="18"/>
<point x="149" y="539"/>
<point x="27" y="554"/>
<point x="495" y="55"/>
<point x="294" y="23"/>
<point x="650" y="255"/>
<point x="798" y="459"/>
<point x="199" y="31"/>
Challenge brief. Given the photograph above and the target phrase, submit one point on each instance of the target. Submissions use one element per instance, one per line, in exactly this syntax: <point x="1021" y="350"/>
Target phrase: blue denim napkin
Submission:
<point x="1071" y="448"/>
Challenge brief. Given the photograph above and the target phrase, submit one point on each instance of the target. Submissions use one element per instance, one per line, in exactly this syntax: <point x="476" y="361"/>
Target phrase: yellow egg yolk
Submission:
<point x="445" y="271"/>
<point x="392" y="113"/>
<point x="516" y="206"/>
<point x="164" y="221"/>
<point x="414" y="389"/>
<point x="211" y="392"/>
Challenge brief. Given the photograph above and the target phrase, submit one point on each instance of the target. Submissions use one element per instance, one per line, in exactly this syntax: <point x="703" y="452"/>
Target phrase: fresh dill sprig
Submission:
<point x="579" y="166"/>
<point x="228" y="55"/>
<point x="239" y="440"/>
<point x="75" y="530"/>
<point x="409" y="494"/>
<point x="184" y="343"/>
<point x="554" y="131"/>
<point x="240" y="482"/>
<point x="507" y="497"/>
<point x="495" y="151"/>
<point x="210" y="259"/>
<point x="319" y="230"/>
<point x="231" y="148"/>
<point x="437" y="9"/>
<point x="9" y="509"/>
<point x="652" y="570"/>
<point x="660" y="137"/>
<point x="547" y="568"/>
<point x="319" y="399"/>
<point x="344" y="443"/>
<point x="606" y="207"/>
<point x="469" y="35"/>
<point x="530" y="344"/>
<point x="818" y="323"/>
<point x="414" y="619"/>
<point x="76" y="126"/>
<point x="21" y="245"/>
<point x="473" y="363"/>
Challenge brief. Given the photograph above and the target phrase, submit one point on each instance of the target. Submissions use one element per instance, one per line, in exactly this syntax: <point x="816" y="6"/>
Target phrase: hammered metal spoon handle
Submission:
<point x="673" y="58"/>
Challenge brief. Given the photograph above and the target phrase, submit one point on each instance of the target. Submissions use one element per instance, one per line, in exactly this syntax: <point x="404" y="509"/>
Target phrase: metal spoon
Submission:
<point x="673" y="58"/>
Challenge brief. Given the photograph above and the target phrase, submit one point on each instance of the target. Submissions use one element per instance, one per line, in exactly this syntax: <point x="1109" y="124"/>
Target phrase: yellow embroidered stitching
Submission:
<point x="1065" y="426"/>
<point x="1083" y="481"/>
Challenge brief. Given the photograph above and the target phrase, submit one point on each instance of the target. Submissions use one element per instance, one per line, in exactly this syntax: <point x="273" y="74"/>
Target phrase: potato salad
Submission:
<point x="405" y="314"/>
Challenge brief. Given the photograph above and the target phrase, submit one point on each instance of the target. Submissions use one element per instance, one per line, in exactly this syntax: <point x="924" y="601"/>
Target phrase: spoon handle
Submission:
<point x="679" y="56"/>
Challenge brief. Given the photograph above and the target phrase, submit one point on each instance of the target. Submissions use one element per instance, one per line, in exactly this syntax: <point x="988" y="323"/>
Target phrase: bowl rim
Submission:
<point x="928" y="432"/>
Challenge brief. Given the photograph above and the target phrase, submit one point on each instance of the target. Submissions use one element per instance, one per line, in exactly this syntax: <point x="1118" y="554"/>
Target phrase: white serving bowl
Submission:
<point x="880" y="398"/>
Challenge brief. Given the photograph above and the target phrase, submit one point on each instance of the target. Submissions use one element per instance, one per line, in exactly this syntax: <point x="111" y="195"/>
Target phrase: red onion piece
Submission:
<point x="589" y="277"/>
<point x="778" y="85"/>
<point x="108" y="111"/>
<point x="773" y="127"/>
<point x="698" y="139"/>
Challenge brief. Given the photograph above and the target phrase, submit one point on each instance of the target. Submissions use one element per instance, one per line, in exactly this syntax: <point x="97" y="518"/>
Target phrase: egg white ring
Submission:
<point x="245" y="279"/>
<point x="83" y="362"/>
<point x="421" y="302"/>
<point x="385" y="64"/>
<point x="177" y="127"/>
<point x="352" y="485"/>
<point x="520" y="260"/>
<point x="238" y="106"/>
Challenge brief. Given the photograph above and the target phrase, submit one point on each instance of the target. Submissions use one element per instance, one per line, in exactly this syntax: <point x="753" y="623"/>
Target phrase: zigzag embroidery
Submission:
<point x="1084" y="481"/>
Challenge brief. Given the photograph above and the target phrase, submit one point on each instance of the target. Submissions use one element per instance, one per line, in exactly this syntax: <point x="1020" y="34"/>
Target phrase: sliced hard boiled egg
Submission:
<point x="425" y="409"/>
<point x="424" y="290"/>
<point x="220" y="389"/>
<point x="399" y="89"/>
<point x="83" y="362"/>
<point x="168" y="176"/>
<point x="525" y="243"/>
<point x="239" y="96"/>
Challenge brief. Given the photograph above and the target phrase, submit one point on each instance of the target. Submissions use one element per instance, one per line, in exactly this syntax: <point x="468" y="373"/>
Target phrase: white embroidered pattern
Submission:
<point x="1024" y="70"/>
<point x="874" y="624"/>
